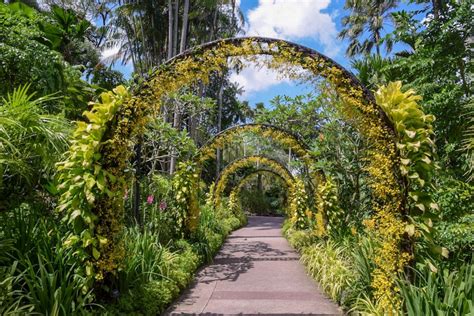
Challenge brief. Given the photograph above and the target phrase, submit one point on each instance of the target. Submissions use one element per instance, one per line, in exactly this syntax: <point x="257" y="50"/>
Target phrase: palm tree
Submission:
<point x="31" y="142"/>
<point x="373" y="70"/>
<point x="365" y="24"/>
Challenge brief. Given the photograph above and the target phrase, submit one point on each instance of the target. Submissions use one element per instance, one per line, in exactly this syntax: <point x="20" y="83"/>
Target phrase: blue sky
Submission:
<point x="312" y="23"/>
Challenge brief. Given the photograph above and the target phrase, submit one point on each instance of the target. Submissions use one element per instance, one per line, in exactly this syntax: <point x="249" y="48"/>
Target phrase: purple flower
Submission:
<point x="163" y="205"/>
<point x="149" y="199"/>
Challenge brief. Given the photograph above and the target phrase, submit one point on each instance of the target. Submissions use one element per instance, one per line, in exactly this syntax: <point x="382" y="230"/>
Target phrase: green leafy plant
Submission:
<point x="83" y="181"/>
<point x="442" y="293"/>
<point x="327" y="263"/>
<point x="30" y="142"/>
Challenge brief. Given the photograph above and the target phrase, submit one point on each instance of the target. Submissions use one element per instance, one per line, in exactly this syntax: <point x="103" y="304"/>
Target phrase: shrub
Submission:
<point x="441" y="293"/>
<point x="327" y="263"/>
<point x="24" y="58"/>
<point x="299" y="239"/>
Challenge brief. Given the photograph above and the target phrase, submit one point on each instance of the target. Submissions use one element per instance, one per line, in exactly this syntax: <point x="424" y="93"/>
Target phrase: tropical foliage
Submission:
<point x="115" y="192"/>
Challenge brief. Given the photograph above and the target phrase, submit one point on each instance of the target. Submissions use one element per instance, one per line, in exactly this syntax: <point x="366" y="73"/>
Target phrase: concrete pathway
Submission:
<point x="255" y="273"/>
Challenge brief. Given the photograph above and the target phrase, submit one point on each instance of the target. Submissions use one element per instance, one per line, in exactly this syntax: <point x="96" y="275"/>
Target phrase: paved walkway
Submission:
<point x="255" y="273"/>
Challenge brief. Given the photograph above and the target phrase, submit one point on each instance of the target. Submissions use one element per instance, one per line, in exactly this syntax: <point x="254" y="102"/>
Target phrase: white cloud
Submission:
<point x="109" y="52"/>
<point x="294" y="20"/>
<point x="291" y="20"/>
<point x="254" y="79"/>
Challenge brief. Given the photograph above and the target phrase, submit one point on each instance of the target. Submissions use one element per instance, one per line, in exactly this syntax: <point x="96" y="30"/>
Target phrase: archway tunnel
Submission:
<point x="110" y="154"/>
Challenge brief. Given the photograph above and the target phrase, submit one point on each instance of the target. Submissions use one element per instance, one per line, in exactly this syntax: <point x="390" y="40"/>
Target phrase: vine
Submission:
<point x="299" y="213"/>
<point x="246" y="179"/>
<point x="94" y="235"/>
<point x="279" y="135"/>
<point x="329" y="215"/>
<point x="185" y="187"/>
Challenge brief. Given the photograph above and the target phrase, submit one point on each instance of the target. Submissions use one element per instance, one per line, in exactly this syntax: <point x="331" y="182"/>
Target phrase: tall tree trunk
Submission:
<point x="170" y="29"/>
<point x="219" y="125"/>
<point x="259" y="183"/>
<point x="436" y="8"/>
<point x="145" y="51"/>
<point x="175" y="28"/>
<point x="214" y="23"/>
<point x="184" y="27"/>
<point x="377" y="43"/>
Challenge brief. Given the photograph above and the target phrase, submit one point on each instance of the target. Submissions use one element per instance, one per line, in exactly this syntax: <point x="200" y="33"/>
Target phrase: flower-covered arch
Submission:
<point x="249" y="161"/>
<point x="92" y="178"/>
<point x="280" y="135"/>
<point x="284" y="138"/>
<point x="261" y="171"/>
<point x="234" y="200"/>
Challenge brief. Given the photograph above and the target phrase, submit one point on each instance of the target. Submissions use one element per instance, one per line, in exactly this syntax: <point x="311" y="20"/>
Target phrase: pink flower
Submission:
<point x="125" y="195"/>
<point x="149" y="199"/>
<point x="163" y="205"/>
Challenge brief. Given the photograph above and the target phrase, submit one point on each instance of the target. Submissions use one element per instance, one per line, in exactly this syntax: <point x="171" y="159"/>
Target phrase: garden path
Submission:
<point x="255" y="272"/>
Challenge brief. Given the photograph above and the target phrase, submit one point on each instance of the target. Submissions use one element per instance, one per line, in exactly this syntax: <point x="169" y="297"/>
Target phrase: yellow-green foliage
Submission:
<point x="83" y="181"/>
<point x="185" y="188"/>
<point x="415" y="143"/>
<point x="330" y="216"/>
<point x="416" y="149"/>
<point x="327" y="264"/>
<point x="120" y="118"/>
<point x="298" y="206"/>
<point x="280" y="136"/>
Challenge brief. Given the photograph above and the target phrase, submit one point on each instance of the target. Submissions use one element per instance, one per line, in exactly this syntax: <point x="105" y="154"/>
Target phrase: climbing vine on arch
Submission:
<point x="261" y="171"/>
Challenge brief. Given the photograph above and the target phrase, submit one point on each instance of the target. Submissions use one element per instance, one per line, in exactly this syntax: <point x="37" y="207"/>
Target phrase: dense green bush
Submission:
<point x="262" y="203"/>
<point x="23" y="58"/>
<point x="31" y="142"/>
<point x="154" y="275"/>
<point x="455" y="230"/>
